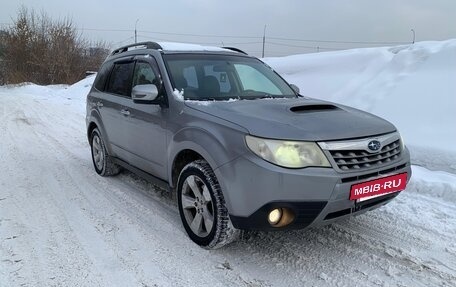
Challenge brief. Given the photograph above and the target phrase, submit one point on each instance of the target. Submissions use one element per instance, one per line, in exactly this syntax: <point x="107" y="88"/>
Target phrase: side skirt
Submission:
<point x="147" y="176"/>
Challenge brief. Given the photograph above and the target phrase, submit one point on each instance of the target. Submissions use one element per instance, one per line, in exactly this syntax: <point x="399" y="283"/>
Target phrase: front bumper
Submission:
<point x="316" y="196"/>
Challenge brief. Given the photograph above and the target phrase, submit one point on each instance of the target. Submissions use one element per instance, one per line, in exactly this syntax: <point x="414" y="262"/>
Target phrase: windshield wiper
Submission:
<point x="264" y="96"/>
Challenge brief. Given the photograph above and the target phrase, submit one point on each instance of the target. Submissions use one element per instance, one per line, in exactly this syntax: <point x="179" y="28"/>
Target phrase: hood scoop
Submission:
<point x="313" y="108"/>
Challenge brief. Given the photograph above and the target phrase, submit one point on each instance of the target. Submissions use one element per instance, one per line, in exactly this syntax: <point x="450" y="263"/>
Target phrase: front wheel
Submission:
<point x="202" y="207"/>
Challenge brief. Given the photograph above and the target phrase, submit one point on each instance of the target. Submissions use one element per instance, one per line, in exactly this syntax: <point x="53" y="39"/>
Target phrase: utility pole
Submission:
<point x="264" y="40"/>
<point x="413" y="31"/>
<point x="136" y="34"/>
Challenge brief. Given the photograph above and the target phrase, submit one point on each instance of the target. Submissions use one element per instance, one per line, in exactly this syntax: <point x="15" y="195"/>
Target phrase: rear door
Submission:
<point x="112" y="106"/>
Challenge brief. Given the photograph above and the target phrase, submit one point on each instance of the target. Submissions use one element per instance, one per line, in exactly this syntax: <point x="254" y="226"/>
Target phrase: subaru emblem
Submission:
<point x="374" y="145"/>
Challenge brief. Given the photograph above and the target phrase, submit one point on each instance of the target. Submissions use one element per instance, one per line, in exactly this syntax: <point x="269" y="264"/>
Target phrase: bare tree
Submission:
<point x="3" y="35"/>
<point x="45" y="51"/>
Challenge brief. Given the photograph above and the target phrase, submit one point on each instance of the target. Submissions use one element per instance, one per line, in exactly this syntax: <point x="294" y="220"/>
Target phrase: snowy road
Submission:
<point x="63" y="225"/>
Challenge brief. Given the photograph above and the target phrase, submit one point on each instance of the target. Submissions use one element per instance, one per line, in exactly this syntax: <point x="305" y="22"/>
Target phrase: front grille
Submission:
<point x="373" y="174"/>
<point x="354" y="160"/>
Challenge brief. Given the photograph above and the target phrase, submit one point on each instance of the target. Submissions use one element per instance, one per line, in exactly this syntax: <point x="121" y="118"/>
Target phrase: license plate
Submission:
<point x="374" y="188"/>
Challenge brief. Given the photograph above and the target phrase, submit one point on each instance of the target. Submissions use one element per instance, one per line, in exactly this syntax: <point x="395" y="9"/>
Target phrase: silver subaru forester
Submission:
<point x="240" y="146"/>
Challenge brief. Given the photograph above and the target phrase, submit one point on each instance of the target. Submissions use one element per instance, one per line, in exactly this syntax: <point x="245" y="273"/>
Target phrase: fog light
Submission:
<point x="274" y="216"/>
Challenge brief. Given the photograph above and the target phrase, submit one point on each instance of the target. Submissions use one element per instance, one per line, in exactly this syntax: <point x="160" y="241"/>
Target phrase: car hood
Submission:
<point x="296" y="119"/>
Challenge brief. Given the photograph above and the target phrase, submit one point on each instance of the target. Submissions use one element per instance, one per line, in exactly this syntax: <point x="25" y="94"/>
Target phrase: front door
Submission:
<point x="146" y="125"/>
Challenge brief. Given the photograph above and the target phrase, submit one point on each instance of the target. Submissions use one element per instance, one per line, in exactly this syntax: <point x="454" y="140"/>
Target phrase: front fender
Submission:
<point x="217" y="146"/>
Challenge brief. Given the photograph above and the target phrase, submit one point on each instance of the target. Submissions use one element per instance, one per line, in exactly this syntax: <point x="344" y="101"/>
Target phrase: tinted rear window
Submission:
<point x="120" y="79"/>
<point x="103" y="74"/>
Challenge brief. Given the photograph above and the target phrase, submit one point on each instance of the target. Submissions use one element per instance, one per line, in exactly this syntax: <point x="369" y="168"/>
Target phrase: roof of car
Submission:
<point x="171" y="47"/>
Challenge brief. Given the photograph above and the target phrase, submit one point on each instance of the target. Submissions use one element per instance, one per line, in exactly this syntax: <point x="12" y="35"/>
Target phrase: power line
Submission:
<point x="239" y="36"/>
<point x="248" y="37"/>
<point x="306" y="47"/>
<point x="260" y="40"/>
<point x="241" y="43"/>
<point x="105" y="30"/>
<point x="339" y="42"/>
<point x="170" y="33"/>
<point x="200" y="35"/>
<point x="318" y="48"/>
<point x="123" y="41"/>
<point x="201" y="43"/>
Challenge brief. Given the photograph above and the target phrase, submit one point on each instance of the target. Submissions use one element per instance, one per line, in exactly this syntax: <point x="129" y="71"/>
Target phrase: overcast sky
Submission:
<point x="323" y="20"/>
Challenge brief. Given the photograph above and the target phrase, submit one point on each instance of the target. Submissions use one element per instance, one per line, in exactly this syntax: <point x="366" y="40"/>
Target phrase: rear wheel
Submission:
<point x="202" y="207"/>
<point x="103" y="163"/>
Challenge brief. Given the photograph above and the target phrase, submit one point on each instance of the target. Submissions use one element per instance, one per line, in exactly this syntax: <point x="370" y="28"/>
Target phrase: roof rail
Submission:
<point x="146" y="45"/>
<point x="235" y="49"/>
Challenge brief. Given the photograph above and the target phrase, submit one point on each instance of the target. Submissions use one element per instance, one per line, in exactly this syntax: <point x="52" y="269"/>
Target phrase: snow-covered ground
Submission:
<point x="62" y="225"/>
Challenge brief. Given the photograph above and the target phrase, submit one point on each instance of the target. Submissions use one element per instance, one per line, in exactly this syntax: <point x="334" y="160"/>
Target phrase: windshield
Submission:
<point x="223" y="77"/>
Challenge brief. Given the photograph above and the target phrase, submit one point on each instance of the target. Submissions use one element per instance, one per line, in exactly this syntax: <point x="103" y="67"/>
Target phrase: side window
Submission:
<point x="144" y="74"/>
<point x="252" y="79"/>
<point x="120" y="80"/>
<point x="102" y="76"/>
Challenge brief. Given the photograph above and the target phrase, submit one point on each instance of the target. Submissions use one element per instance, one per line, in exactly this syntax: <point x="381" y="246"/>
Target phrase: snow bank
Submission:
<point x="33" y="89"/>
<point x="438" y="184"/>
<point x="79" y="90"/>
<point x="412" y="86"/>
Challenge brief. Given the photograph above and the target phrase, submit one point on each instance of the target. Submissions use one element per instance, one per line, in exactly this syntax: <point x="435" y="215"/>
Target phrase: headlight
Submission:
<point x="402" y="142"/>
<point x="291" y="154"/>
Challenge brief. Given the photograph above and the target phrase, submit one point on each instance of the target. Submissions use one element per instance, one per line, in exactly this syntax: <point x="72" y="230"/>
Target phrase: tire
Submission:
<point x="102" y="161"/>
<point x="200" y="199"/>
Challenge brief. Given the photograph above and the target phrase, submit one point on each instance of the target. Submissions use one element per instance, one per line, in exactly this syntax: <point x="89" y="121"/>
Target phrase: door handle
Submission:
<point x="99" y="104"/>
<point x="125" y="112"/>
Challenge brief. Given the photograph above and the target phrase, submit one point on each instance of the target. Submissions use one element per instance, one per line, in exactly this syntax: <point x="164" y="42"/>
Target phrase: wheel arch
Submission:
<point x="184" y="157"/>
<point x="196" y="143"/>
<point x="95" y="122"/>
<point x="90" y="128"/>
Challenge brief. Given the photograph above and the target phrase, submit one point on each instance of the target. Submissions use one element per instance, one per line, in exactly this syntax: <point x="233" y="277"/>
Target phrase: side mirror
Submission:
<point x="295" y="88"/>
<point x="144" y="94"/>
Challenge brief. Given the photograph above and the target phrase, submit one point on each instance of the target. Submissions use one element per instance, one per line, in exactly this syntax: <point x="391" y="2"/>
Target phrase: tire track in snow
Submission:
<point x="37" y="224"/>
